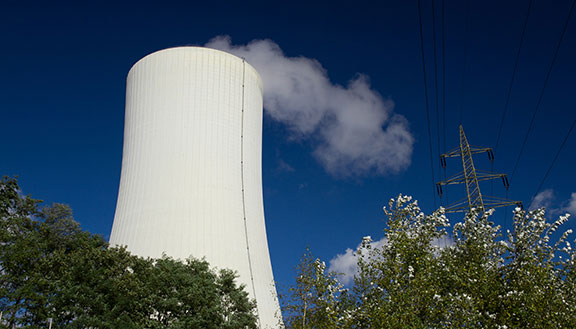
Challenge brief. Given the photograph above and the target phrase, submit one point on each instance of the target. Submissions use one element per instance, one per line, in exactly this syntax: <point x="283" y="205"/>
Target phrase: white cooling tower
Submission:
<point x="191" y="181"/>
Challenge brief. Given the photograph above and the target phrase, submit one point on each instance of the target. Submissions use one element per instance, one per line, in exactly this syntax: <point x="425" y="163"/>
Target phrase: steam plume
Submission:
<point x="354" y="129"/>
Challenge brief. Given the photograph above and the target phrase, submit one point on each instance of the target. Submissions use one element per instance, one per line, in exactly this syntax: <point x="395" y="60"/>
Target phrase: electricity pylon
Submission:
<point x="470" y="177"/>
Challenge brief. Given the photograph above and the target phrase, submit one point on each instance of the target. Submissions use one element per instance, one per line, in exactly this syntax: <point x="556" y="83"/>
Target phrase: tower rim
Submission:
<point x="181" y="48"/>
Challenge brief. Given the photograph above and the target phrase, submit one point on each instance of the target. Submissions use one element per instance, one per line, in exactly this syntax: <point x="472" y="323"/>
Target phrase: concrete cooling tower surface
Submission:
<point x="191" y="182"/>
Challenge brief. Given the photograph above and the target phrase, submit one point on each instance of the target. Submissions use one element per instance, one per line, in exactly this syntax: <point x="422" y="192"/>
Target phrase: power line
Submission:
<point x="444" y="84"/>
<point x="516" y="60"/>
<point x="444" y="73"/>
<point x="465" y="60"/>
<point x="512" y="79"/>
<point x="426" y="95"/>
<point x="556" y="157"/>
<point x="556" y="51"/>
<point x="436" y="77"/>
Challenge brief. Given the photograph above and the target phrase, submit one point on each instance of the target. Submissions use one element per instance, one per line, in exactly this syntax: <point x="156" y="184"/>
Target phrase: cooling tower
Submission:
<point x="191" y="182"/>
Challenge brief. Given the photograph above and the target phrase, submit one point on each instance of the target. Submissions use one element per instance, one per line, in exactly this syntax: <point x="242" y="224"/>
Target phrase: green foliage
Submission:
<point x="480" y="279"/>
<point x="50" y="268"/>
<point x="317" y="299"/>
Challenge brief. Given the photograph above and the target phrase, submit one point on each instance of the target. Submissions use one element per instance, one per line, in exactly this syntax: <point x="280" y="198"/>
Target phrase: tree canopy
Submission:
<point x="524" y="278"/>
<point x="51" y="269"/>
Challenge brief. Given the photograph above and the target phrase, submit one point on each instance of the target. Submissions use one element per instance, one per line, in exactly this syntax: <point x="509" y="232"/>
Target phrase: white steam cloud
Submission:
<point x="354" y="128"/>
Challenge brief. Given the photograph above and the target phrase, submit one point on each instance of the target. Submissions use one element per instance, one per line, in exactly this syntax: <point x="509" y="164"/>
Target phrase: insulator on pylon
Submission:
<point x="490" y="155"/>
<point x="439" y="189"/>
<point x="505" y="181"/>
<point x="443" y="161"/>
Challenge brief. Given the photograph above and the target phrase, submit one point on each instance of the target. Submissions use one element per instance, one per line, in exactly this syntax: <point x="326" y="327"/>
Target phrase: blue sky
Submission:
<point x="62" y="84"/>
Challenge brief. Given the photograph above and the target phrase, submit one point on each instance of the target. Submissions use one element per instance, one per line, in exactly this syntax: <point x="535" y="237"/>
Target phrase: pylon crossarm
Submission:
<point x="496" y="198"/>
<point x="496" y="202"/>
<point x="452" y="154"/>
<point x="487" y="176"/>
<point x="455" y="179"/>
<point x="489" y="204"/>
<point x="488" y="172"/>
<point x="461" y="205"/>
<point x="458" y="203"/>
<point x="478" y="150"/>
<point x="499" y="199"/>
<point x="463" y="208"/>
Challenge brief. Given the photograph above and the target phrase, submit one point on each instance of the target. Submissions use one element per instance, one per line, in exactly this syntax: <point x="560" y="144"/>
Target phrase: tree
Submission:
<point x="481" y="279"/>
<point x="50" y="268"/>
<point x="317" y="300"/>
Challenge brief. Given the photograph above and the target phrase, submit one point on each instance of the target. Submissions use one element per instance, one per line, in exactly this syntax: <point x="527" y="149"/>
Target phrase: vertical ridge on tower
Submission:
<point x="242" y="178"/>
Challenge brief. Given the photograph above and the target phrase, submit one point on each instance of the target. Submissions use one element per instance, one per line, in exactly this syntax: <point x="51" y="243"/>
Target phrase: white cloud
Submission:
<point x="547" y="199"/>
<point x="283" y="166"/>
<point x="354" y="128"/>
<point x="542" y="199"/>
<point x="571" y="206"/>
<point x="346" y="264"/>
<point x="443" y="242"/>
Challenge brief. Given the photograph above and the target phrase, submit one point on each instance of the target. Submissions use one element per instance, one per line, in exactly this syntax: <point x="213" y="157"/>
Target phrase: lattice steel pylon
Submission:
<point x="470" y="177"/>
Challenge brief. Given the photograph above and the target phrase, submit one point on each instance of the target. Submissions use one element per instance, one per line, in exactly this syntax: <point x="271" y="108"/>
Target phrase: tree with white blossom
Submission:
<point x="483" y="279"/>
